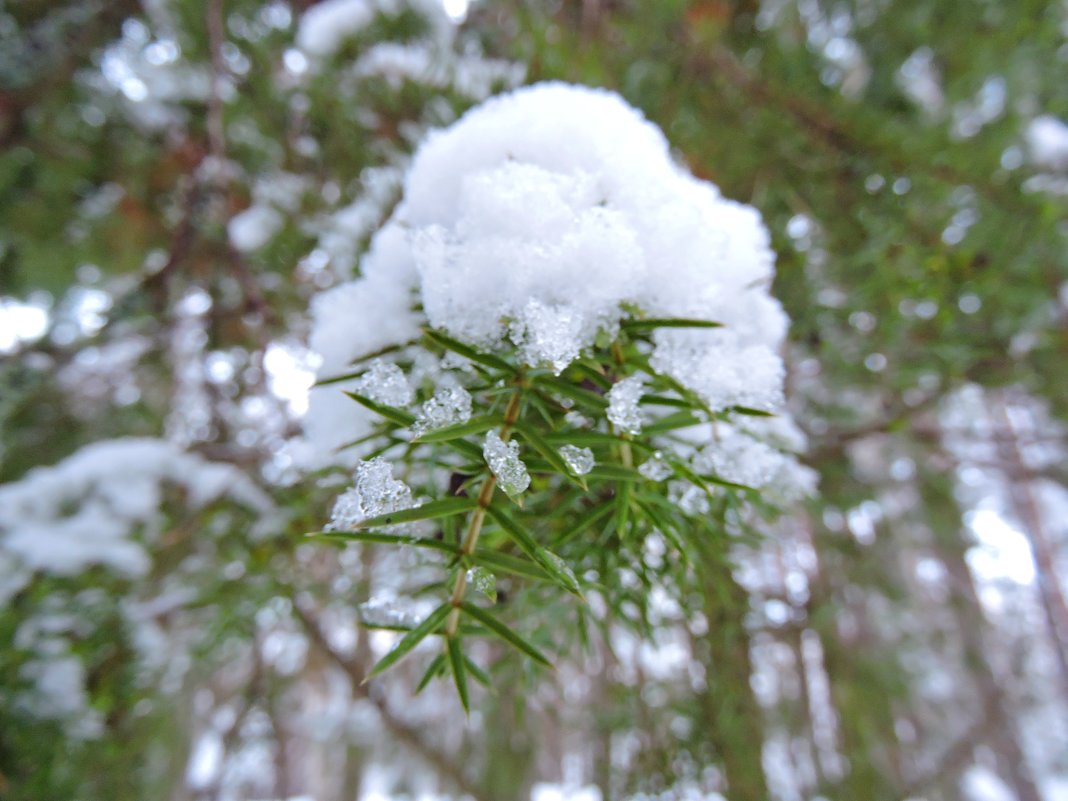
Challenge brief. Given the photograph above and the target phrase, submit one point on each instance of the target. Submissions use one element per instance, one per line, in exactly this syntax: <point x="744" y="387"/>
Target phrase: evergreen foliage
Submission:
<point x="538" y="580"/>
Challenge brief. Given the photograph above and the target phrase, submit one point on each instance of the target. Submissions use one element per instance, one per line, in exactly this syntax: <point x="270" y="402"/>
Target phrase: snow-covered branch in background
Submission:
<point x="103" y="507"/>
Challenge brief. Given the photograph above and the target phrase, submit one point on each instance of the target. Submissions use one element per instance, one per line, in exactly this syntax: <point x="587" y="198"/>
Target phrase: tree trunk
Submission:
<point x="1001" y="730"/>
<point x="733" y="715"/>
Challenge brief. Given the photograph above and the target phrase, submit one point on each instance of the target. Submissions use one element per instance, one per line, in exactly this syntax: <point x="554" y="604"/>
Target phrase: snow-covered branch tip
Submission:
<point x="550" y="256"/>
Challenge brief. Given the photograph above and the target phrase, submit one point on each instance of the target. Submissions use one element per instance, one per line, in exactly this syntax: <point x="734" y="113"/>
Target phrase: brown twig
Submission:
<point x="216" y="36"/>
<point x="181" y="244"/>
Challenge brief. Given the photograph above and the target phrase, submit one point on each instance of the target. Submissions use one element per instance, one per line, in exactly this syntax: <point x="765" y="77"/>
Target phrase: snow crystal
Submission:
<point x="389" y="614"/>
<point x="352" y="320"/>
<point x="12" y="578"/>
<point x="921" y="81"/>
<point x="341" y="233"/>
<point x="545" y="791"/>
<point x="399" y="62"/>
<point x="655" y="469"/>
<point x="65" y="547"/>
<point x="576" y="419"/>
<point x="386" y="383"/>
<point x="61" y="682"/>
<point x="473" y="76"/>
<point x="503" y="459"/>
<point x="623" y="410"/>
<point x="579" y="460"/>
<point x="374" y="492"/>
<point x="155" y="93"/>
<point x="980" y="783"/>
<point x="740" y="458"/>
<point x="20" y="322"/>
<point x="450" y="406"/>
<point x="690" y="498"/>
<point x="547" y="334"/>
<point x="476" y="76"/>
<point x="752" y="377"/>
<point x="257" y="225"/>
<point x="364" y="316"/>
<point x="534" y="180"/>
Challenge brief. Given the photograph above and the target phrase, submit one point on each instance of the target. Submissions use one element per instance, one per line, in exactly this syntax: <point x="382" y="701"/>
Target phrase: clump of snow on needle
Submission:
<point x="544" y="218"/>
<point x="503" y="459"/>
<point x="375" y="492"/>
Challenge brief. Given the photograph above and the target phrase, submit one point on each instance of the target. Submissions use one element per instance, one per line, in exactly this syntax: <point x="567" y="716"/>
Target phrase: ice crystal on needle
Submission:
<point x="503" y="460"/>
<point x="383" y="613"/>
<point x="450" y="406"/>
<point x="690" y="498"/>
<point x="623" y="410"/>
<point x="655" y="469"/>
<point x="385" y="383"/>
<point x="484" y="581"/>
<point x="374" y="492"/>
<point x="579" y="460"/>
<point x="548" y="334"/>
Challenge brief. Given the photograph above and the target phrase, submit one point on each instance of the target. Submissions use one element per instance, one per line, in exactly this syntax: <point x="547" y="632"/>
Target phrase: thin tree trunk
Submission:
<point x="507" y="773"/>
<point x="1027" y="512"/>
<point x="733" y="715"/>
<point x="1001" y="731"/>
<point x="859" y="689"/>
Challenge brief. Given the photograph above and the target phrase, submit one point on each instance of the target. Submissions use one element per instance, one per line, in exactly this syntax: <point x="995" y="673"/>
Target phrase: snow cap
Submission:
<point x="550" y="214"/>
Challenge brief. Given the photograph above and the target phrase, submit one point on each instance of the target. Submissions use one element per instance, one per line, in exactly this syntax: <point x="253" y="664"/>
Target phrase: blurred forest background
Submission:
<point x="178" y="178"/>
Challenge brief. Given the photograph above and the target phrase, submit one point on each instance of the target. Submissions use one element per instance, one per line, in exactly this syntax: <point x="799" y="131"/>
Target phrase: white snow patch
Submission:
<point x="325" y="26"/>
<point x="1047" y="139"/>
<point x="83" y="511"/>
<point x="254" y="227"/>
